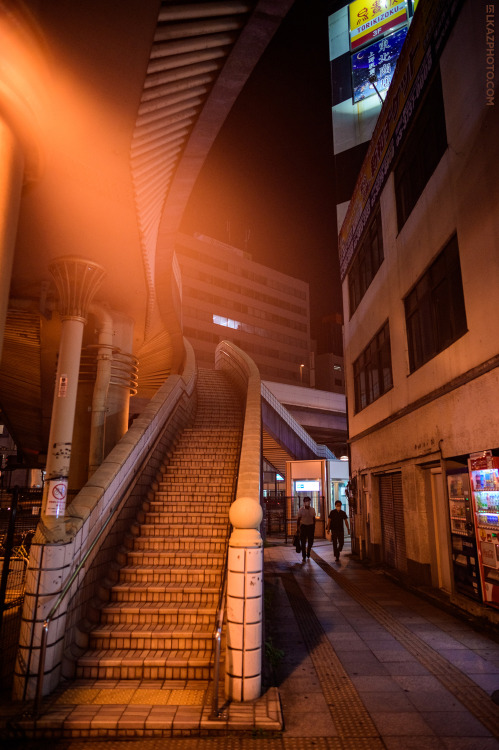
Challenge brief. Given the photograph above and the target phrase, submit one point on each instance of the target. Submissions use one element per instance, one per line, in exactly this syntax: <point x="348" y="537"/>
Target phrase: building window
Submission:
<point x="422" y="151"/>
<point x="434" y="309"/>
<point x="372" y="371"/>
<point x="366" y="263"/>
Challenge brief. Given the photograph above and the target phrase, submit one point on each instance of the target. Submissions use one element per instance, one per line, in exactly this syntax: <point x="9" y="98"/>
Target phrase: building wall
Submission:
<point x="266" y="313"/>
<point x="446" y="407"/>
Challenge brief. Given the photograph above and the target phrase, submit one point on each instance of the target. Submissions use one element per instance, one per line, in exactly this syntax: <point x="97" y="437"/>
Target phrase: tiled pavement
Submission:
<point x="359" y="663"/>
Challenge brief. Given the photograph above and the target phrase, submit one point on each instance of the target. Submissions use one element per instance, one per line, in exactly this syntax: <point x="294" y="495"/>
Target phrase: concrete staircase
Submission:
<point x="158" y="618"/>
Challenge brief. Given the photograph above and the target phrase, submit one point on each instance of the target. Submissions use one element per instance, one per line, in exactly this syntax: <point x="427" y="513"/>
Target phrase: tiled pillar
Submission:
<point x="243" y="672"/>
<point x="49" y="568"/>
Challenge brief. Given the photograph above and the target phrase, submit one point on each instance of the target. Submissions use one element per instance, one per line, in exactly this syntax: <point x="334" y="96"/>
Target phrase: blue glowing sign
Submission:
<point x="378" y="60"/>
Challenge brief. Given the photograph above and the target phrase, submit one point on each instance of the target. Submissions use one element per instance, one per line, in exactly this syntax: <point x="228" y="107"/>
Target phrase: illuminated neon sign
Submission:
<point x="370" y="18"/>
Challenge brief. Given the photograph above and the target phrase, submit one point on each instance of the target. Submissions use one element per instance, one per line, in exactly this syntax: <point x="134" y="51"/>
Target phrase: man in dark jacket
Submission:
<point x="335" y="525"/>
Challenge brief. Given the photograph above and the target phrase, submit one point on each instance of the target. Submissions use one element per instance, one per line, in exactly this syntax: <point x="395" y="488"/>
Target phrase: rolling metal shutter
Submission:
<point x="392" y="521"/>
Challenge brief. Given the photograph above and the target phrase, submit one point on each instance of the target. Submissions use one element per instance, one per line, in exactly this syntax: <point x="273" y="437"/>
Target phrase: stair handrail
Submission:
<point x="217" y="634"/>
<point x="67" y="587"/>
<point x="121" y="499"/>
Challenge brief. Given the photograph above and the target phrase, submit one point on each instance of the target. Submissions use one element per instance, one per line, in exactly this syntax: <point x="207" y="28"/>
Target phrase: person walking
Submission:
<point x="306" y="527"/>
<point x="335" y="525"/>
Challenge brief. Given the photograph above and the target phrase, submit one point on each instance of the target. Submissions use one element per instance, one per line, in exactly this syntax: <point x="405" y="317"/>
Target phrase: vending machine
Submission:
<point x="462" y="530"/>
<point x="484" y="477"/>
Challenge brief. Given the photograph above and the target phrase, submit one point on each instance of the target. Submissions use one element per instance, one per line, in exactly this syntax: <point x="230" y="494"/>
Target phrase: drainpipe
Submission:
<point x="101" y="387"/>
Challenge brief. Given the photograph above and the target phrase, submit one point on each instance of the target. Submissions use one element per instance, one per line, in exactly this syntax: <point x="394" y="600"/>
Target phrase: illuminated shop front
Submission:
<point x="324" y="481"/>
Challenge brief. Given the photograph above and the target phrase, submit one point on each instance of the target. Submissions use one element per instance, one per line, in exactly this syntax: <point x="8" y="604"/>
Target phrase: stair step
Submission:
<point x="201" y="595"/>
<point x="157" y="613"/>
<point x="180" y="559"/>
<point x="180" y="543"/>
<point x="181" y="530"/>
<point x="182" y="508"/>
<point x="144" y="665"/>
<point x="193" y="518"/>
<point x="157" y="574"/>
<point x="140" y="639"/>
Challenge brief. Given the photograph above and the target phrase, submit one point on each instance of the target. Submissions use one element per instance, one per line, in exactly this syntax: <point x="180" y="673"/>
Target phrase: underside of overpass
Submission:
<point x="111" y="109"/>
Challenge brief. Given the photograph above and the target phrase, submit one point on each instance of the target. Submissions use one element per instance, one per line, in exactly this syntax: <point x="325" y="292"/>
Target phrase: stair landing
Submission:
<point x="130" y="709"/>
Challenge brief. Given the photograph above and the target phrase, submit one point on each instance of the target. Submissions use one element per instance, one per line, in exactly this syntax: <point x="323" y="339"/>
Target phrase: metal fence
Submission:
<point x="19" y="514"/>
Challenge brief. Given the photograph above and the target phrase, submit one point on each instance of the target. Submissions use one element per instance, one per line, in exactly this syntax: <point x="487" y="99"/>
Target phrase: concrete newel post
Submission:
<point x="243" y="676"/>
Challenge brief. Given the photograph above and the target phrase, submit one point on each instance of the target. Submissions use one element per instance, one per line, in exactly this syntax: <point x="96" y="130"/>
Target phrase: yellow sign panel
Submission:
<point x="369" y="18"/>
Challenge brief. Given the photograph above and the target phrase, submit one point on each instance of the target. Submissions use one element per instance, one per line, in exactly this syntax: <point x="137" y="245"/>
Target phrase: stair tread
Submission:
<point x="168" y="568"/>
<point x="184" y="608"/>
<point x="150" y="586"/>
<point x="145" y="629"/>
<point x="114" y="656"/>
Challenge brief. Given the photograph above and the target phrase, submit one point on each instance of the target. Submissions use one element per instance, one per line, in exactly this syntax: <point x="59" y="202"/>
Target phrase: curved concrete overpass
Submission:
<point x="107" y="117"/>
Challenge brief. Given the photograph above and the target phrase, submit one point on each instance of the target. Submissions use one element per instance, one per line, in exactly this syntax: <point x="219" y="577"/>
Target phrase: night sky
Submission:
<point x="268" y="183"/>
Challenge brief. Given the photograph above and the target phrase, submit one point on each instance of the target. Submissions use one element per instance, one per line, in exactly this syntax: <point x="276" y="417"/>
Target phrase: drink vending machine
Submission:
<point x="462" y="528"/>
<point x="484" y="478"/>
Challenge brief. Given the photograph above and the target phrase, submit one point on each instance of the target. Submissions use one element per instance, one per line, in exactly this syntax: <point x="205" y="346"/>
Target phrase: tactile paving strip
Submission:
<point x="349" y="714"/>
<point x="238" y="743"/>
<point x="476" y="700"/>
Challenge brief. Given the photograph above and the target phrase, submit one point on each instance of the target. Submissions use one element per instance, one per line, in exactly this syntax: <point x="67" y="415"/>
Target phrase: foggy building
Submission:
<point x="420" y="273"/>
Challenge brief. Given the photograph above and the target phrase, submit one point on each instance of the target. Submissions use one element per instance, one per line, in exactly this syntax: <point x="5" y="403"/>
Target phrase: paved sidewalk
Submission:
<point x="372" y="664"/>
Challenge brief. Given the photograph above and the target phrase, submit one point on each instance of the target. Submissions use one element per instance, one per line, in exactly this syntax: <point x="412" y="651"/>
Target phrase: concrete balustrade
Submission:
<point x="115" y="488"/>
<point x="243" y="676"/>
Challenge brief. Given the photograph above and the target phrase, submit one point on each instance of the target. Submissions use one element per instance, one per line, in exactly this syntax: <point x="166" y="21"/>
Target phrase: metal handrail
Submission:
<point x="71" y="580"/>
<point x="217" y="635"/>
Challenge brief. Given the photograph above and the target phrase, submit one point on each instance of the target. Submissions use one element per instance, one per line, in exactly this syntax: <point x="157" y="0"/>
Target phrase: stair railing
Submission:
<point x="216" y="712"/>
<point x="46" y="623"/>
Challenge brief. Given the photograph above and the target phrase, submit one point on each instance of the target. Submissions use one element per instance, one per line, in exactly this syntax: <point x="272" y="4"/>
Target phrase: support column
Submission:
<point x="243" y="676"/>
<point x="11" y="182"/>
<point x="77" y="282"/>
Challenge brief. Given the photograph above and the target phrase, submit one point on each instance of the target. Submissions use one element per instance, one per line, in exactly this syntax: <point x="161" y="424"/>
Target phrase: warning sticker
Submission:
<point x="56" y="497"/>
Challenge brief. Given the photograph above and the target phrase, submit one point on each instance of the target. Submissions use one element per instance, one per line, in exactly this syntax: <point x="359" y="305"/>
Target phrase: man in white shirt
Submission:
<point x="306" y="527"/>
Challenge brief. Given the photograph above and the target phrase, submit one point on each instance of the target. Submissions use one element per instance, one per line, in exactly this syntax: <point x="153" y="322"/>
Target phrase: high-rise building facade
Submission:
<point x="227" y="295"/>
<point x="419" y="257"/>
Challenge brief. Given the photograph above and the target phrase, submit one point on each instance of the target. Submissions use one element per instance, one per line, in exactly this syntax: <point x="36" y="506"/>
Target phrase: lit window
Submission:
<point x="219" y="320"/>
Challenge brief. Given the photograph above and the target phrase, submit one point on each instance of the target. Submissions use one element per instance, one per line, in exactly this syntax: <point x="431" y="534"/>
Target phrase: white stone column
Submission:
<point x="11" y="182"/>
<point x="77" y="281"/>
<point x="243" y="672"/>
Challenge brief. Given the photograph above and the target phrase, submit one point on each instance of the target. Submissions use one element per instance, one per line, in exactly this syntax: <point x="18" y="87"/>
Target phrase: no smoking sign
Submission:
<point x="56" y="497"/>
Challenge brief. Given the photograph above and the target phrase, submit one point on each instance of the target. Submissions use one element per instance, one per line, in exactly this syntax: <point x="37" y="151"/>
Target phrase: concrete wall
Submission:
<point x="446" y="407"/>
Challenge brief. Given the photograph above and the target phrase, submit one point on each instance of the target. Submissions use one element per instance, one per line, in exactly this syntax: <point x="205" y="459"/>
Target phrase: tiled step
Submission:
<point x="192" y="518"/>
<point x="196" y="492"/>
<point x="186" y="530"/>
<point x="144" y="665"/>
<point x="193" y="497"/>
<point x="161" y="558"/>
<point x="176" y="544"/>
<point x="166" y="574"/>
<point x="203" y="596"/>
<point x="157" y="613"/>
<point x="208" y="473"/>
<point x="181" y="507"/>
<point x="142" y="638"/>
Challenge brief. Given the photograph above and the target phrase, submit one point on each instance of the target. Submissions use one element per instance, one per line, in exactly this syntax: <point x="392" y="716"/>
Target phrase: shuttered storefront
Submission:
<point x="392" y="520"/>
